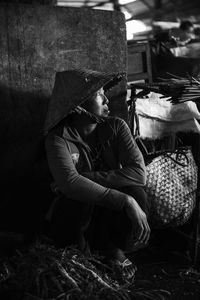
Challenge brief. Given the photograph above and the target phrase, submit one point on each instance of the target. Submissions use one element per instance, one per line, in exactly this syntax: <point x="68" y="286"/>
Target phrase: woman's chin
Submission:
<point x="106" y="113"/>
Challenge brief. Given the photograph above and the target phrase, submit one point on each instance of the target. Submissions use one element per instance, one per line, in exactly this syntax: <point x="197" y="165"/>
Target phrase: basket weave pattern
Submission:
<point x="171" y="188"/>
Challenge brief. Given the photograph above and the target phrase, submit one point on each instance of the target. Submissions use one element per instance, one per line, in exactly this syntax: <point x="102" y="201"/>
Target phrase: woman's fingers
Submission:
<point x="149" y="232"/>
<point x="139" y="221"/>
<point x="143" y="232"/>
<point x="146" y="232"/>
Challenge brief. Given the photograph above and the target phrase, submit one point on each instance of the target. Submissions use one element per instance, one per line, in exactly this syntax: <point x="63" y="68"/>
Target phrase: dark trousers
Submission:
<point x="74" y="222"/>
<point x="112" y="227"/>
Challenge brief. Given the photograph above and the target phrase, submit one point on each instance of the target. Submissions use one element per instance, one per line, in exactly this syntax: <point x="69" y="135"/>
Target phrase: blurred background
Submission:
<point x="145" y="18"/>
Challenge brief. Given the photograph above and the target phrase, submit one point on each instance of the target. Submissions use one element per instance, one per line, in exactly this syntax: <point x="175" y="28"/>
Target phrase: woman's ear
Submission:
<point x="87" y="104"/>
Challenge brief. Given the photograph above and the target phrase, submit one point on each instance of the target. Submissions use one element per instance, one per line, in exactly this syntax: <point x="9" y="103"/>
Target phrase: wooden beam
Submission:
<point x="145" y="2"/>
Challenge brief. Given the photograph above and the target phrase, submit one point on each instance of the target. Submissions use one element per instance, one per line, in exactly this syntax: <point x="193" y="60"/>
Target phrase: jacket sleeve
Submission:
<point x="71" y="183"/>
<point x="131" y="169"/>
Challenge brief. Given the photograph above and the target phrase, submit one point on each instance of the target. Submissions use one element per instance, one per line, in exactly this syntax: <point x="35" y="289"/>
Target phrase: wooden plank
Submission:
<point x="138" y="76"/>
<point x="139" y="62"/>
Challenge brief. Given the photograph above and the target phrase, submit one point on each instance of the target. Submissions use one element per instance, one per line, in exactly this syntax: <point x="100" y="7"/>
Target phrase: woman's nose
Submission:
<point x="106" y="101"/>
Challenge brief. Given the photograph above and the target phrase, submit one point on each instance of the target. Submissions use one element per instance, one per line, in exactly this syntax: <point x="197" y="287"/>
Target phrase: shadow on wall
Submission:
<point x="24" y="173"/>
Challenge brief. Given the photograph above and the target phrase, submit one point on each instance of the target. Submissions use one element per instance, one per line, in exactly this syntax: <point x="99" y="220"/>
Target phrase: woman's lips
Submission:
<point x="106" y="112"/>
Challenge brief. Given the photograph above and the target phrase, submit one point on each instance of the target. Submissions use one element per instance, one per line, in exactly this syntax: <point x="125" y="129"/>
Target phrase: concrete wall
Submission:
<point x="35" y="42"/>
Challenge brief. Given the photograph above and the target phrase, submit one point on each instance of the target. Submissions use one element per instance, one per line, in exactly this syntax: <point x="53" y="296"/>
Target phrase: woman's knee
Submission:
<point x="139" y="194"/>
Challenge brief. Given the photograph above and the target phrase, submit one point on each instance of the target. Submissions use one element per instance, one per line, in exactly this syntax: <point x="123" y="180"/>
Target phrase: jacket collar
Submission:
<point x="105" y="133"/>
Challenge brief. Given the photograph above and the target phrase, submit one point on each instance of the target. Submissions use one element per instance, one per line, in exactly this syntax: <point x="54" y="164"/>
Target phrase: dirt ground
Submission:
<point x="172" y="274"/>
<point x="167" y="265"/>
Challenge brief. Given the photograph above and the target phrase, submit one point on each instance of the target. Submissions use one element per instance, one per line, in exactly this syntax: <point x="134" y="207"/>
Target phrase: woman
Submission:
<point x="98" y="170"/>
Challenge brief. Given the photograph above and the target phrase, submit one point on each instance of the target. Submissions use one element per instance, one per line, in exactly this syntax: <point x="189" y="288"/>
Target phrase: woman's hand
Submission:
<point x="140" y="234"/>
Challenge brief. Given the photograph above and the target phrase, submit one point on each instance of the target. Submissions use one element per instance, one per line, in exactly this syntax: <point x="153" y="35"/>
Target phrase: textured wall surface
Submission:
<point x="35" y="42"/>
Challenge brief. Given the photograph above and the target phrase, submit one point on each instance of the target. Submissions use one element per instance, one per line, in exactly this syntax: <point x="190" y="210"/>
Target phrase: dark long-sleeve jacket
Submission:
<point x="75" y="173"/>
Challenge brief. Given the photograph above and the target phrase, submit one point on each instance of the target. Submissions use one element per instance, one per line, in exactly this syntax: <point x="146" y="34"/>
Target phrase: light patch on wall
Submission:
<point x="123" y="2"/>
<point x="127" y="14"/>
<point x="104" y="5"/>
<point x="133" y="27"/>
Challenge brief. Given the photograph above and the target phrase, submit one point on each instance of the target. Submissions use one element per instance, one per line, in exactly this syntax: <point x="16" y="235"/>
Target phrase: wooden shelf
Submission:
<point x="139" y="61"/>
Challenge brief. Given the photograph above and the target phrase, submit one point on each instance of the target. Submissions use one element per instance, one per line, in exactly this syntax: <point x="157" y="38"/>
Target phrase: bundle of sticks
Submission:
<point x="178" y="89"/>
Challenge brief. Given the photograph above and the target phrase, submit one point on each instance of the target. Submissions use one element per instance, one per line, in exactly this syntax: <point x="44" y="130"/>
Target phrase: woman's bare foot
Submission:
<point x="120" y="263"/>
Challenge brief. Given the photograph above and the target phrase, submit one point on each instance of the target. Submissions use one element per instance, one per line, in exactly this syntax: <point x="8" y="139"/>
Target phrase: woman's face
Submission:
<point x="99" y="104"/>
